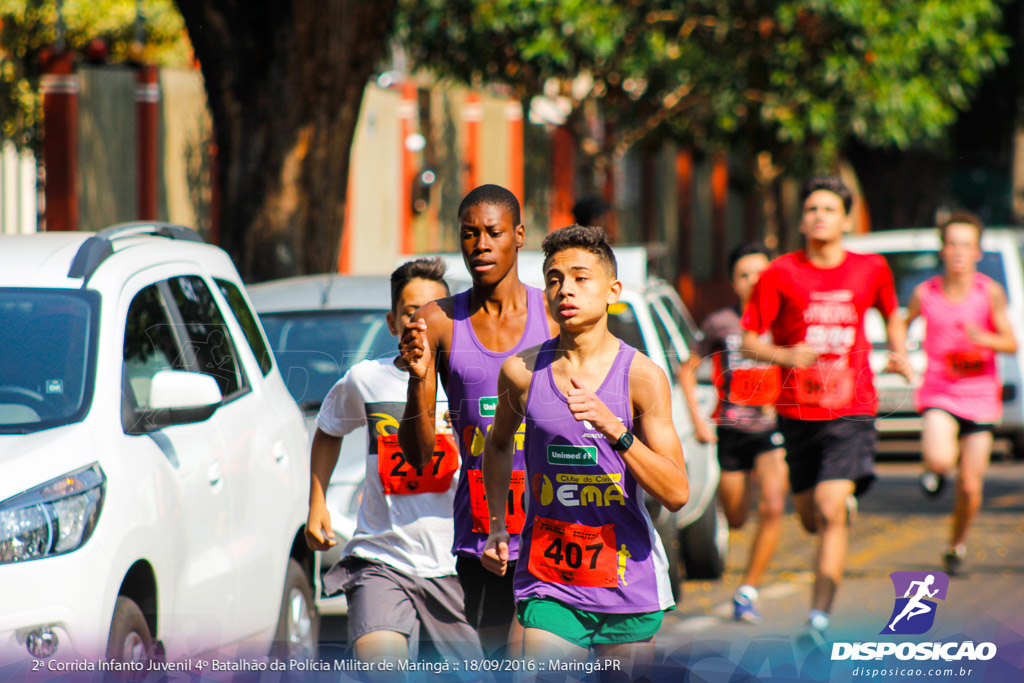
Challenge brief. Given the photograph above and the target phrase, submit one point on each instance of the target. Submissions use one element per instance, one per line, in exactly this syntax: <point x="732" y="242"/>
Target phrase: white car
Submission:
<point x="913" y="257"/>
<point x="153" y="468"/>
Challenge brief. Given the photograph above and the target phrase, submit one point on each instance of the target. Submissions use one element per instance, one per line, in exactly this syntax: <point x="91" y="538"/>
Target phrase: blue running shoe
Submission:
<point x="743" y="609"/>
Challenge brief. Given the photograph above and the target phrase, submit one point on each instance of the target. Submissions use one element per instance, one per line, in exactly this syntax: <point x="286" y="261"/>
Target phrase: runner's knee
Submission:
<point x="771" y="508"/>
<point x="970" y="485"/>
<point x="736" y="516"/>
<point x="830" y="513"/>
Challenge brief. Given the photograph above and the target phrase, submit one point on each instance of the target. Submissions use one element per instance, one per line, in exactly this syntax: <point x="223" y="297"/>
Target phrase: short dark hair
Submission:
<point x="587" y="238"/>
<point x="961" y="216"/>
<point x="831" y="183"/>
<point x="423" y="269"/>
<point x="747" y="249"/>
<point x="587" y="210"/>
<point x="492" y="194"/>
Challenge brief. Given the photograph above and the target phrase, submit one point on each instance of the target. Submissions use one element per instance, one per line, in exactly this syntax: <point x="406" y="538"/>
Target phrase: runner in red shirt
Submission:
<point x="813" y="301"/>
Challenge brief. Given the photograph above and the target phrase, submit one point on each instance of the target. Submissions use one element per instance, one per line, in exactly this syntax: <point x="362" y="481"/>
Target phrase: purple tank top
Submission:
<point x="472" y="387"/>
<point x="589" y="541"/>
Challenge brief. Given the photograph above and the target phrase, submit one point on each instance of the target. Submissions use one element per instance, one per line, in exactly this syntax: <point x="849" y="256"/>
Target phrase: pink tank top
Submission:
<point x="961" y="376"/>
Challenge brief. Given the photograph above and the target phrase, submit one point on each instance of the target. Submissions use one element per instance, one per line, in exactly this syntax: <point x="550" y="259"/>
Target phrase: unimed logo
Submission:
<point x="914" y="612"/>
<point x="488" y="404"/>
<point x="572" y="455"/>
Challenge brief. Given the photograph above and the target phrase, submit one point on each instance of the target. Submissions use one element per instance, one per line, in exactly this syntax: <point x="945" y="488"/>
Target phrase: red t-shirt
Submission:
<point x="824" y="307"/>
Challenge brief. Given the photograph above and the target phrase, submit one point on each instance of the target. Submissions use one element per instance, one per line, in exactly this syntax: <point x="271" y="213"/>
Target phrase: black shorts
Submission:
<point x="966" y="427"/>
<point x="489" y="598"/>
<point x="737" y="449"/>
<point x="824" y="450"/>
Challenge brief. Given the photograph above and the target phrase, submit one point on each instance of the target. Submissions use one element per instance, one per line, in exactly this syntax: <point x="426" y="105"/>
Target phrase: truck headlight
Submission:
<point x="52" y="518"/>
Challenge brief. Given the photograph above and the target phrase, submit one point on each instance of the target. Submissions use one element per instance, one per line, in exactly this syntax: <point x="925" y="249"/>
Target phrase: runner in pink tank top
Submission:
<point x="960" y="397"/>
<point x="961" y="375"/>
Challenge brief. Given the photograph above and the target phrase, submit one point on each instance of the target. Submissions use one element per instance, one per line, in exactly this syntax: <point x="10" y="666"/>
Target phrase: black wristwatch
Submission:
<point x="624" y="442"/>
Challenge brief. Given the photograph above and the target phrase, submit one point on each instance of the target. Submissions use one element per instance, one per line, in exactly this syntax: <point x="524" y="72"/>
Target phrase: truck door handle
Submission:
<point x="215" y="474"/>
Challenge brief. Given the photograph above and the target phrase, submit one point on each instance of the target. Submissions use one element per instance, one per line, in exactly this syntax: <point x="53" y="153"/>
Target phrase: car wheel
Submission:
<point x="704" y="544"/>
<point x="298" y="625"/>
<point x="1018" y="447"/>
<point x="130" y="639"/>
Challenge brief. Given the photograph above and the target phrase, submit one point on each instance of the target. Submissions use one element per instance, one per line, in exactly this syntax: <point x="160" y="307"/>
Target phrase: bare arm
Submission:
<point x="419" y="348"/>
<point x="513" y="384"/>
<point x="323" y="458"/>
<point x="1003" y="339"/>
<point x="896" y="337"/>
<point x="799" y="356"/>
<point x="656" y="457"/>
<point x="688" y="383"/>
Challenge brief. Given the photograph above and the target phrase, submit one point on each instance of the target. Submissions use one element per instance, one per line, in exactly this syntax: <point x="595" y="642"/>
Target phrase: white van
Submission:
<point x="913" y="257"/>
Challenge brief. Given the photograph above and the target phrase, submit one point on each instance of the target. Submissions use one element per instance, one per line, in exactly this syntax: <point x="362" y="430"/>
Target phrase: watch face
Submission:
<point x="624" y="442"/>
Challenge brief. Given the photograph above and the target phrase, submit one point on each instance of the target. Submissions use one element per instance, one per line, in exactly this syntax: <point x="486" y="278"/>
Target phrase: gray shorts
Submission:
<point x="381" y="598"/>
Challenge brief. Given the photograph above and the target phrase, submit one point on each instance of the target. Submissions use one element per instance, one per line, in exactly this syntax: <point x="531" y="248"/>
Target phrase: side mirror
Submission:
<point x="174" y="389"/>
<point x="177" y="397"/>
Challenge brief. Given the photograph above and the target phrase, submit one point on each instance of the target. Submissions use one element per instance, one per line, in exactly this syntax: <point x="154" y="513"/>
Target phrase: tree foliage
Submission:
<point x="28" y="33"/>
<point x="785" y="76"/>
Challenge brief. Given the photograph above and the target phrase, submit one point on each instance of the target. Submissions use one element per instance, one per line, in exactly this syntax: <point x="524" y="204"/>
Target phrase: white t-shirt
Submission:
<point x="410" y="532"/>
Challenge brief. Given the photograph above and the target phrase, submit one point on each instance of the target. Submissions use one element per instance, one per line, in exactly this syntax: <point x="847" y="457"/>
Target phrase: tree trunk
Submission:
<point x="285" y="81"/>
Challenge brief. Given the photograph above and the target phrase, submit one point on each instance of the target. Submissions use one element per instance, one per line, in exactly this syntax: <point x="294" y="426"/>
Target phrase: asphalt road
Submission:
<point x="897" y="529"/>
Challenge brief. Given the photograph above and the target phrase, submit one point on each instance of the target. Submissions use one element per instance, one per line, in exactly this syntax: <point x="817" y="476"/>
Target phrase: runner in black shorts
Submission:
<point x="830" y="450"/>
<point x="960" y="396"/>
<point x="462" y="341"/>
<point x="814" y="301"/>
<point x="487" y="606"/>
<point x="966" y="426"/>
<point x="749" y="443"/>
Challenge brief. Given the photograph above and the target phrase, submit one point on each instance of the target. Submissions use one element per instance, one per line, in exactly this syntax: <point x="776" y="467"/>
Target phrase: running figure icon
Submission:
<point x="915" y="606"/>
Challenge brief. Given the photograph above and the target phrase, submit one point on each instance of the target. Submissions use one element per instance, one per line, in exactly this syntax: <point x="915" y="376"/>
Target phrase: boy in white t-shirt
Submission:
<point x="397" y="572"/>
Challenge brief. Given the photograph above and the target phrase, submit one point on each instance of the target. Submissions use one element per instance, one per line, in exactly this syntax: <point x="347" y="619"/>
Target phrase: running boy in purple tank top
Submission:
<point x="464" y="339"/>
<point x="959" y="398"/>
<point x="592" y="571"/>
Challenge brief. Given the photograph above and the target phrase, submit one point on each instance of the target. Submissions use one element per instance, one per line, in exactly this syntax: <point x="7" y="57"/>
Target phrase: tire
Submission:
<point x="298" y="623"/>
<point x="704" y="544"/>
<point x="1017" y="444"/>
<point x="130" y="639"/>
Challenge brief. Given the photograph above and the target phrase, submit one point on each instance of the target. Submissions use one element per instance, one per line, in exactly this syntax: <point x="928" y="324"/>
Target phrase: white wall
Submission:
<point x="18" y="210"/>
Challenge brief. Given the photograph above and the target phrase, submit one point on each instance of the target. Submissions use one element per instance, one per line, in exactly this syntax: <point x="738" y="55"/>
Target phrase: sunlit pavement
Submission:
<point x="897" y="529"/>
